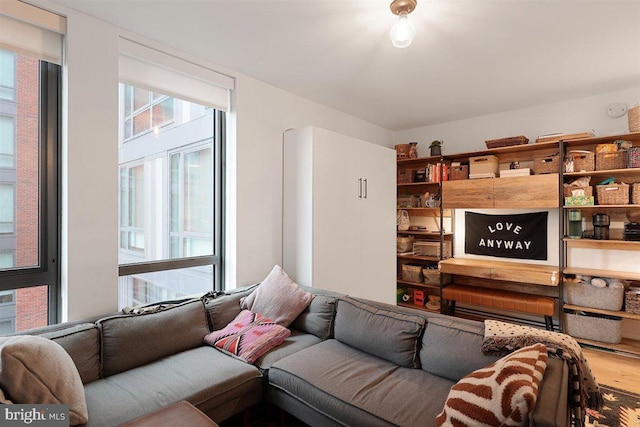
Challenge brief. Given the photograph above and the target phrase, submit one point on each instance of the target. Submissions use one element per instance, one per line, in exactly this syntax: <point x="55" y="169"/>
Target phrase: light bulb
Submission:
<point x="402" y="32"/>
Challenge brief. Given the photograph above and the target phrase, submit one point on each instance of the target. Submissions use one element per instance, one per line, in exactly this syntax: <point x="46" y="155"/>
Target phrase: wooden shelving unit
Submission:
<point x="436" y="233"/>
<point x="601" y="247"/>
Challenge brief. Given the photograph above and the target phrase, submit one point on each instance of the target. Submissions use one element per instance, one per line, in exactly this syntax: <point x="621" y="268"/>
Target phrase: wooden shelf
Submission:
<point x="524" y="148"/>
<point x="626" y="345"/>
<point x="418" y="307"/>
<point x="418" y="284"/>
<point x="418" y="161"/>
<point x="626" y="171"/>
<point x="603" y="244"/>
<point x="416" y="184"/>
<point x="425" y="233"/>
<point x="623" y="314"/>
<point x="601" y="140"/>
<point x="419" y="258"/>
<point x="602" y="273"/>
<point x="602" y="207"/>
<point x="536" y="274"/>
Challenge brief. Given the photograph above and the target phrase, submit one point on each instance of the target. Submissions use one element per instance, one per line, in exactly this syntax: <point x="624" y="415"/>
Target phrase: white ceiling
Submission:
<point x="469" y="57"/>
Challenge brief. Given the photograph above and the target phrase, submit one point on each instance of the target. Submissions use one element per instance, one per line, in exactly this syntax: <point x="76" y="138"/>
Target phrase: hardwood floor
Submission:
<point x="615" y="370"/>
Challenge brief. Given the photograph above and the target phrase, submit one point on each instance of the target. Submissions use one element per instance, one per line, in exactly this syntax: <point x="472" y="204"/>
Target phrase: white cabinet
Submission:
<point x="339" y="219"/>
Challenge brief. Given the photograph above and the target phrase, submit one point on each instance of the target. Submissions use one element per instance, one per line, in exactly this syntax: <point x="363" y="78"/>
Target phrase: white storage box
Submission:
<point x="587" y="295"/>
<point x="431" y="248"/>
<point x="483" y="165"/>
<point x="592" y="326"/>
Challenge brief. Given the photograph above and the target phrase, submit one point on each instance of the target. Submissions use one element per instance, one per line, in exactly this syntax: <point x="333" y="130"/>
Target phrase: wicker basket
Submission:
<point x="568" y="190"/>
<point x="412" y="273"/>
<point x="633" y="157"/>
<point x="632" y="301"/>
<point x="459" y="172"/>
<point x="611" y="160"/>
<point x="583" y="161"/>
<point x="613" y="194"/>
<point x="635" y="193"/>
<point x="507" y="142"/>
<point x="405" y="176"/>
<point x="547" y="164"/>
<point x="633" y="114"/>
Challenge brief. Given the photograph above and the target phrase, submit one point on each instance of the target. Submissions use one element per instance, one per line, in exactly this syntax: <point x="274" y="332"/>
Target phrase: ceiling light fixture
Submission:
<point x="403" y="31"/>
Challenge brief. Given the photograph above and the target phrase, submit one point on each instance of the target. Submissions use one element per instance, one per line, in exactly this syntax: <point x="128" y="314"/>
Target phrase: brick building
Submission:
<point x="19" y="177"/>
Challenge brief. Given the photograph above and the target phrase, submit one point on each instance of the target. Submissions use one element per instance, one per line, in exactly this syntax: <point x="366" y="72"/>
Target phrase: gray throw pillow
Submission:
<point x="37" y="370"/>
<point x="278" y="298"/>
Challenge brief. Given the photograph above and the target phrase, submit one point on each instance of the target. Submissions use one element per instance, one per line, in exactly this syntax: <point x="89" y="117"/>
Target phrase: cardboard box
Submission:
<point x="579" y="201"/>
<point x="483" y="165"/>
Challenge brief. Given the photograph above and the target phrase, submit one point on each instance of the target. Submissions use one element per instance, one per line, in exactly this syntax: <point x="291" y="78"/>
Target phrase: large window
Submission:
<point x="29" y="275"/>
<point x="7" y="141"/>
<point x="170" y="197"/>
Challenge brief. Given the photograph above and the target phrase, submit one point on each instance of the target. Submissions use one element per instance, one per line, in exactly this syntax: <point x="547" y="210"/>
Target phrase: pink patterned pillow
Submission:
<point x="501" y="394"/>
<point x="248" y="336"/>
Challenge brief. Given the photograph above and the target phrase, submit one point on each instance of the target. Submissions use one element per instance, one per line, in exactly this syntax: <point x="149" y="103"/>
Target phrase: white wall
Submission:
<point x="90" y="166"/>
<point x="578" y="115"/>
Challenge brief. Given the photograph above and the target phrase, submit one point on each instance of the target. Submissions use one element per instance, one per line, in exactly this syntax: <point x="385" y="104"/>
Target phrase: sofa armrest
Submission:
<point x="552" y="406"/>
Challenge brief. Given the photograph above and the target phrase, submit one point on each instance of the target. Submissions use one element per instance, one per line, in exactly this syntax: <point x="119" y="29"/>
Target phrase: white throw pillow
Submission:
<point x="37" y="370"/>
<point x="278" y="297"/>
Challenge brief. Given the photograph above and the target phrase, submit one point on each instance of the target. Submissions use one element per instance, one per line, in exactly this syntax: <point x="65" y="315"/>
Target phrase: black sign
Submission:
<point x="521" y="236"/>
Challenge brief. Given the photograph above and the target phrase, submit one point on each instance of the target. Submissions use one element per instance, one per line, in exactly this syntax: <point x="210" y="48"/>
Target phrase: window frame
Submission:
<point x="152" y="102"/>
<point x="48" y="271"/>
<point x="129" y="228"/>
<point x="12" y="118"/>
<point x="216" y="259"/>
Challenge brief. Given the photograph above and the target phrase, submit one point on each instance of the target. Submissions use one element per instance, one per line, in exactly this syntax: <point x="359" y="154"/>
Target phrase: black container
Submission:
<point x="632" y="231"/>
<point x="421" y="175"/>
<point x="601" y="226"/>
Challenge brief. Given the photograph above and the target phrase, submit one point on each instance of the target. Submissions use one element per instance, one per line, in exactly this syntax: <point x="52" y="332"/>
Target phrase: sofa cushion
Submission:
<point x="129" y="341"/>
<point x="317" y="318"/>
<point x="36" y="370"/>
<point x="452" y="347"/>
<point x="501" y="394"/>
<point x="224" y="308"/>
<point x="358" y="389"/>
<point x="389" y="334"/>
<point x="215" y="383"/>
<point x="248" y="336"/>
<point x="82" y="343"/>
<point x="278" y="297"/>
<point x="292" y="344"/>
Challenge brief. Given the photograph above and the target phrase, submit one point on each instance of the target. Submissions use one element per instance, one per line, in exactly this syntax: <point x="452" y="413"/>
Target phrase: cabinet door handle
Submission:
<point x="365" y="188"/>
<point x="360" y="188"/>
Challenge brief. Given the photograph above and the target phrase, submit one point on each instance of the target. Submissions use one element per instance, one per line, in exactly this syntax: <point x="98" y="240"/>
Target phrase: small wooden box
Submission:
<point x="483" y="165"/>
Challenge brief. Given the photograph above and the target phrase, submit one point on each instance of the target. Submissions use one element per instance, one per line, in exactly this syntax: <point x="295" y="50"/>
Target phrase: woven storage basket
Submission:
<point x="568" y="190"/>
<point x="633" y="114"/>
<point x="405" y="176"/>
<point x="613" y="194"/>
<point x="459" y="172"/>
<point x="547" y="164"/>
<point x="611" y="160"/>
<point x="633" y="157"/>
<point x="412" y="273"/>
<point x="582" y="161"/>
<point x="635" y="193"/>
<point x="632" y="301"/>
<point x="506" y="142"/>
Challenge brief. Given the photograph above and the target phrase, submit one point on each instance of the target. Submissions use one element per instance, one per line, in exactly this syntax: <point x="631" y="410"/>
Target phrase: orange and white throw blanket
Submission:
<point x="501" y="338"/>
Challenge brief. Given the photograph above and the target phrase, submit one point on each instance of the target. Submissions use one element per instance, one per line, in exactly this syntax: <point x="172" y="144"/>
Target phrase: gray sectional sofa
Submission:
<point x="348" y="362"/>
